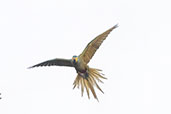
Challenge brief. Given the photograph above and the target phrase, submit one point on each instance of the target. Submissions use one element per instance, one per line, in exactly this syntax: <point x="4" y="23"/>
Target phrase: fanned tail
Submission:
<point x="88" y="83"/>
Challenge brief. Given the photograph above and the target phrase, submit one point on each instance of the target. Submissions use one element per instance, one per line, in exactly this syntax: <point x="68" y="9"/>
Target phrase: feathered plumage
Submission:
<point x="89" y="82"/>
<point x="86" y="77"/>
<point x="92" y="47"/>
<point x="55" y="62"/>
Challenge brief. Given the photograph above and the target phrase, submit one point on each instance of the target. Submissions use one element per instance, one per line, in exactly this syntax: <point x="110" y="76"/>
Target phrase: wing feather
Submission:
<point x="92" y="47"/>
<point x="55" y="62"/>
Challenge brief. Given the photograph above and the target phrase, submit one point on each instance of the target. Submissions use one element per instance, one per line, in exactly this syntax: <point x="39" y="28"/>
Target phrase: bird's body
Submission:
<point x="86" y="76"/>
<point x="80" y="65"/>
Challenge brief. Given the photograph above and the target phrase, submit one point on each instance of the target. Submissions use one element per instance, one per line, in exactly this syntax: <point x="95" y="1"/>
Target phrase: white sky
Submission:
<point x="136" y="57"/>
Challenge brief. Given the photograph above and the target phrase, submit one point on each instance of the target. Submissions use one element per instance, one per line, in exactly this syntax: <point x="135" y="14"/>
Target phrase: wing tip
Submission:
<point x="30" y="67"/>
<point x="116" y="26"/>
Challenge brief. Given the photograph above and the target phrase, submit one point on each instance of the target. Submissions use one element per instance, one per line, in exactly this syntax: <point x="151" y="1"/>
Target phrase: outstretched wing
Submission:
<point x="91" y="48"/>
<point x="55" y="62"/>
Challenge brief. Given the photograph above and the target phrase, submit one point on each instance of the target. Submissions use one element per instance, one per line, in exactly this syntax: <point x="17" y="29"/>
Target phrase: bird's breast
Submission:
<point x="81" y="67"/>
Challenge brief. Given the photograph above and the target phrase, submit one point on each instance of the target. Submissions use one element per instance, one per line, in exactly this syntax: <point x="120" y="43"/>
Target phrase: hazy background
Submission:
<point x="136" y="57"/>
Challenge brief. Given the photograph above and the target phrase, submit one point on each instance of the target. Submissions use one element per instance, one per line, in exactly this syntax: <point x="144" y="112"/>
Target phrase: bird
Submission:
<point x="87" y="77"/>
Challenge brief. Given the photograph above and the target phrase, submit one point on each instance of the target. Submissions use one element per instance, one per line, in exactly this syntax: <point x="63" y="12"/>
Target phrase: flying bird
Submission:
<point x="87" y="77"/>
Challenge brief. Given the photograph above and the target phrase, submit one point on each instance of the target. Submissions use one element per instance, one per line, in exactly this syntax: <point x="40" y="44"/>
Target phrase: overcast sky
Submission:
<point x="135" y="57"/>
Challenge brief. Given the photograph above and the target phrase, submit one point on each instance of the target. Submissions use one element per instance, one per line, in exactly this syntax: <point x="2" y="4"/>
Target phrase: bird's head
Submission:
<point x="75" y="59"/>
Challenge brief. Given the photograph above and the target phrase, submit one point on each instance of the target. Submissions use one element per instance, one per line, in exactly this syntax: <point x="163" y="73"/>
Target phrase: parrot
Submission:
<point x="87" y="77"/>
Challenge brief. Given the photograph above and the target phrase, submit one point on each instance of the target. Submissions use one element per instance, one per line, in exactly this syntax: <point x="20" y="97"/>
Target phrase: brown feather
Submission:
<point x="94" y="81"/>
<point x="92" y="89"/>
<point x="91" y="48"/>
<point x="89" y="82"/>
<point x="87" y="88"/>
<point x="100" y="75"/>
<point x="97" y="77"/>
<point x="82" y="86"/>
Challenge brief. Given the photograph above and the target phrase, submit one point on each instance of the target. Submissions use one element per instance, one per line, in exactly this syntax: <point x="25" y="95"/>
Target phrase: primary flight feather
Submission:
<point x="86" y="76"/>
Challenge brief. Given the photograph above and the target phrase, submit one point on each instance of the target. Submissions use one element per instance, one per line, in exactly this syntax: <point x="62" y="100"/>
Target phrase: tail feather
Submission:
<point x="92" y="89"/>
<point x="95" y="76"/>
<point x="82" y="87"/>
<point x="87" y="87"/>
<point x="89" y="82"/>
<point x="99" y="74"/>
<point x="94" y="81"/>
<point x="76" y="82"/>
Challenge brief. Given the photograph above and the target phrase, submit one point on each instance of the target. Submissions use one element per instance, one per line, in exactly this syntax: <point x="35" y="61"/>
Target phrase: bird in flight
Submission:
<point x="87" y="77"/>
